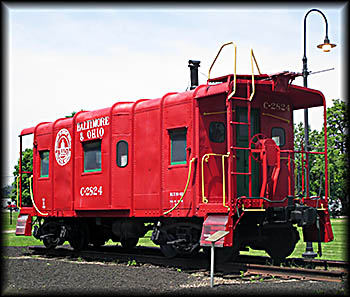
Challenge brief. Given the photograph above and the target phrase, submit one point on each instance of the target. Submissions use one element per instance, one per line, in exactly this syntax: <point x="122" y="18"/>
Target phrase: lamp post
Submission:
<point x="326" y="46"/>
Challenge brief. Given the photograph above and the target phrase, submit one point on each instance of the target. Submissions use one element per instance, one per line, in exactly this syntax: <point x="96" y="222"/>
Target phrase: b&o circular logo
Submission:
<point x="63" y="145"/>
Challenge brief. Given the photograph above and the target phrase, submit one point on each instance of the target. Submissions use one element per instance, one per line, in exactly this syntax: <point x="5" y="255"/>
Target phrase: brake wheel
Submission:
<point x="254" y="141"/>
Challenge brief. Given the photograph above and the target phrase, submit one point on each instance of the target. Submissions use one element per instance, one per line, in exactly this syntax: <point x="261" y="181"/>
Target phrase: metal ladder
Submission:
<point x="230" y="124"/>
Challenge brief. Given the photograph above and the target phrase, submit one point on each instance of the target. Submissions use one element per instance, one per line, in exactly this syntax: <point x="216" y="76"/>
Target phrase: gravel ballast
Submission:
<point x="24" y="274"/>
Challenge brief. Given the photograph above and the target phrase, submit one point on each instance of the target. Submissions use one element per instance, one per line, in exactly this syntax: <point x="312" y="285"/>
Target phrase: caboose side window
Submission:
<point x="178" y="146"/>
<point x="122" y="153"/>
<point x="279" y="136"/>
<point x="92" y="156"/>
<point x="217" y="132"/>
<point x="44" y="163"/>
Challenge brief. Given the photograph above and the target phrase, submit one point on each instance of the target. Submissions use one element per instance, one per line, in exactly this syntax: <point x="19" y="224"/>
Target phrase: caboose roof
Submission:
<point x="279" y="83"/>
<point x="305" y="97"/>
<point x="27" y="131"/>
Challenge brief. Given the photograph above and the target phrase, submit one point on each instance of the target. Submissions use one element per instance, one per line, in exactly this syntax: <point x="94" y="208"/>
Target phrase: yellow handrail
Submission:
<point x="253" y="82"/>
<point x="18" y="206"/>
<point x="217" y="55"/>
<point x="256" y="63"/>
<point x="216" y="112"/>
<point x="205" y="158"/>
<point x="185" y="190"/>
<point x="223" y="181"/>
<point x="235" y="60"/>
<point x="252" y="57"/>
<point x="31" y="197"/>
<point x="276" y="117"/>
<point x="234" y="74"/>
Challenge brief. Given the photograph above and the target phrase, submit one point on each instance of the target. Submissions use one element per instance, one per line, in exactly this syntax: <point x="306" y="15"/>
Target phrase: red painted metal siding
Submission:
<point x="146" y="157"/>
<point x="177" y="114"/>
<point x="42" y="186"/>
<point x="121" y="176"/>
<point x="92" y="187"/>
<point x="62" y="131"/>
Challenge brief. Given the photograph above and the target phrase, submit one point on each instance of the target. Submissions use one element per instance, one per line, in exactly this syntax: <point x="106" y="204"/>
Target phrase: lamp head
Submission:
<point x="326" y="45"/>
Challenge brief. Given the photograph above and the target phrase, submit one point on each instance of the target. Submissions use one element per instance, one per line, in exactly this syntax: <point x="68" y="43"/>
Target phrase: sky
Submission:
<point x="62" y="59"/>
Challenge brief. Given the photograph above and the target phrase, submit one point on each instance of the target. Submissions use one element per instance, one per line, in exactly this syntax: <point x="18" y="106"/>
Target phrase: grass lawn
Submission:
<point x="5" y="220"/>
<point x="335" y="250"/>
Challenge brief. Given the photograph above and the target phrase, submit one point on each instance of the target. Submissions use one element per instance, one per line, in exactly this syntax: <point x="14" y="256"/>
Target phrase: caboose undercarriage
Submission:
<point x="271" y="231"/>
<point x="119" y="172"/>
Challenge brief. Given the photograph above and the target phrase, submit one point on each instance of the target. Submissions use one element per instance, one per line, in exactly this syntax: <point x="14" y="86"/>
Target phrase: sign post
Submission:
<point x="10" y="209"/>
<point x="214" y="238"/>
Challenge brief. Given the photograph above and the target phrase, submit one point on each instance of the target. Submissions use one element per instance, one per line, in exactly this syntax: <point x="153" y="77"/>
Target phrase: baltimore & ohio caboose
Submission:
<point x="219" y="156"/>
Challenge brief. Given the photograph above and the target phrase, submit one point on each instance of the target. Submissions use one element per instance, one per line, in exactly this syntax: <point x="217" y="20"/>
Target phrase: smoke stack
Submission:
<point x="194" y="65"/>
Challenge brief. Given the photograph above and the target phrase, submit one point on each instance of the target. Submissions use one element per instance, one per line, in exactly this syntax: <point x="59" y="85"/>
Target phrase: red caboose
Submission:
<point x="218" y="157"/>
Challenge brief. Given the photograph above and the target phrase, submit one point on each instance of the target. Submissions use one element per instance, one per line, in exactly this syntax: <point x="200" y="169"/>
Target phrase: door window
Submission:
<point x="44" y="163"/>
<point x="122" y="153"/>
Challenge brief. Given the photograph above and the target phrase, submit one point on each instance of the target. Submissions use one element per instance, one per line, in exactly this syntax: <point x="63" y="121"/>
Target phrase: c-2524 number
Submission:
<point x="91" y="191"/>
<point x="276" y="106"/>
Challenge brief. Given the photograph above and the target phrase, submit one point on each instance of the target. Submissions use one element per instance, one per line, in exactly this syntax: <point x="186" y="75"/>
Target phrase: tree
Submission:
<point x="337" y="143"/>
<point x="71" y="115"/>
<point x="6" y="191"/>
<point x="27" y="165"/>
<point x="338" y="125"/>
<point x="316" y="162"/>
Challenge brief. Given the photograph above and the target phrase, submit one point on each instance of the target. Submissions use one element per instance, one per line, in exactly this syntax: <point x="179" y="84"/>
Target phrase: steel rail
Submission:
<point x="154" y="256"/>
<point x="296" y="273"/>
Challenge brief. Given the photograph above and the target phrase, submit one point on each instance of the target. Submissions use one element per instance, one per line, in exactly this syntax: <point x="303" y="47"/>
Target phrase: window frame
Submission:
<point x="173" y="132"/>
<point x="210" y="135"/>
<point x="95" y="170"/>
<point x="41" y="163"/>
<point x="127" y="153"/>
<point x="284" y="135"/>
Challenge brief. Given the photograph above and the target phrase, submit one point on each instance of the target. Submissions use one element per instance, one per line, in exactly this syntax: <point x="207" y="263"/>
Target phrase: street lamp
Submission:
<point x="326" y="46"/>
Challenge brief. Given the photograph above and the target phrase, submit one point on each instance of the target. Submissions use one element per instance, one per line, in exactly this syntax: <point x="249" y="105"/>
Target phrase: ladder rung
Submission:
<point x="240" y="173"/>
<point x="239" y="148"/>
<point x="240" y="98"/>
<point x="239" y="123"/>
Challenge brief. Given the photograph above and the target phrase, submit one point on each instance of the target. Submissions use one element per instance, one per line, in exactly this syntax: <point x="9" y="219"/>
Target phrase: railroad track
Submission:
<point x="244" y="266"/>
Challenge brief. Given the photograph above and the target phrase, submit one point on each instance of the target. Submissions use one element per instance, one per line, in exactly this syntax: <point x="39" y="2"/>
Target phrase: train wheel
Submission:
<point x="281" y="243"/>
<point x="52" y="231"/>
<point x="169" y="250"/>
<point x="52" y="242"/>
<point x="180" y="239"/>
<point x="129" y="243"/>
<point x="79" y="237"/>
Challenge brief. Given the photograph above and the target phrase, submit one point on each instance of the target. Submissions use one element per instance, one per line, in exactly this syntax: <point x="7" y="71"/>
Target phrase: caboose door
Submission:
<point x="212" y="147"/>
<point x="242" y="156"/>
